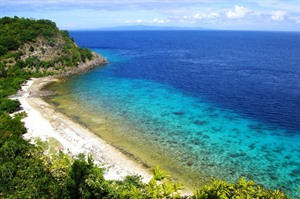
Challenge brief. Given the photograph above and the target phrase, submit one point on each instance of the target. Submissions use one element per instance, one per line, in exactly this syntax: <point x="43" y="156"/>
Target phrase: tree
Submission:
<point x="242" y="189"/>
<point x="3" y="50"/>
<point x="31" y="49"/>
<point x="8" y="105"/>
<point x="9" y="42"/>
<point x="3" y="72"/>
<point x="86" y="180"/>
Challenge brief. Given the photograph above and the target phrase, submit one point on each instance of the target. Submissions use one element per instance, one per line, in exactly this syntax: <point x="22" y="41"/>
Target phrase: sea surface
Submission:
<point x="200" y="104"/>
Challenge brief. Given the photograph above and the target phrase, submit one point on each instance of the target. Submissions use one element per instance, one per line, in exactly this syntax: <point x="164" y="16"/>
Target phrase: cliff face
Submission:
<point x="61" y="55"/>
<point x="39" y="48"/>
<point x="43" y="49"/>
<point x="87" y="65"/>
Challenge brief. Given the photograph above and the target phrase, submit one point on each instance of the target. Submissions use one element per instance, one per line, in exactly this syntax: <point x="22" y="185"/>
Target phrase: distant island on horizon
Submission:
<point x="146" y="27"/>
<point x="165" y="28"/>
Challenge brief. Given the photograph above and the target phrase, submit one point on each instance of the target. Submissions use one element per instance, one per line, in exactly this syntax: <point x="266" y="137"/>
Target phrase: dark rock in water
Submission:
<point x="264" y="148"/>
<point x="273" y="177"/>
<point x="279" y="149"/>
<point x="236" y="155"/>
<point x="75" y="117"/>
<point x="206" y="136"/>
<point x="172" y="142"/>
<point x="233" y="155"/>
<point x="232" y="172"/>
<point x="199" y="133"/>
<point x="252" y="146"/>
<point x="189" y="163"/>
<point x="295" y="173"/>
<point x="196" y="142"/>
<point x="287" y="157"/>
<point x="210" y="165"/>
<point x="55" y="103"/>
<point x="178" y="113"/>
<point x="199" y="122"/>
<point x="250" y="176"/>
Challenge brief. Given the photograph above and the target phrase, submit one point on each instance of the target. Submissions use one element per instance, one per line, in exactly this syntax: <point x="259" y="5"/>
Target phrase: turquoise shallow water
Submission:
<point x="187" y="132"/>
<point x="199" y="135"/>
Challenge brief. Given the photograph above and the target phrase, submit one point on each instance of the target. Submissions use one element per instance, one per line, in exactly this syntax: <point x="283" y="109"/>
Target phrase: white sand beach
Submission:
<point x="44" y="122"/>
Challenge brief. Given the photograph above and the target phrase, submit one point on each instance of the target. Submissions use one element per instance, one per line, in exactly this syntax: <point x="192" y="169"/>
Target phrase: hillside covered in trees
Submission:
<point x="35" y="48"/>
<point x="38" y="46"/>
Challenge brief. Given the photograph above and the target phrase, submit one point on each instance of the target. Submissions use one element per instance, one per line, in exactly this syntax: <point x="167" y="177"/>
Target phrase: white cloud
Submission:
<point x="295" y="19"/>
<point x="213" y="15"/>
<point x="138" y="21"/>
<point x="278" y="15"/>
<point x="200" y="16"/>
<point x="160" y="21"/>
<point x="153" y="21"/>
<point x="238" y="12"/>
<point x="210" y="15"/>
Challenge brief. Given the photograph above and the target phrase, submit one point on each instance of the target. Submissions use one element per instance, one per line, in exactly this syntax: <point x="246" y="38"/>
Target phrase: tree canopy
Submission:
<point x="38" y="47"/>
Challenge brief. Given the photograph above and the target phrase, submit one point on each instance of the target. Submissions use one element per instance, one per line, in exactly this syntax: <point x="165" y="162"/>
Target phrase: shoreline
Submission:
<point x="86" y="66"/>
<point x="44" y="122"/>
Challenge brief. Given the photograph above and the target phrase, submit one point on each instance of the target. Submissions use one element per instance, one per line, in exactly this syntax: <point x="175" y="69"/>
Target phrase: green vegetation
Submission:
<point x="36" y="48"/>
<point x="241" y="189"/>
<point x="8" y="105"/>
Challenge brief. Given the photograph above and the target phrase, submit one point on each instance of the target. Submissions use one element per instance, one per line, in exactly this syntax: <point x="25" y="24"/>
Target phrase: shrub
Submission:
<point x="9" y="106"/>
<point x="3" y="50"/>
<point x="3" y="72"/>
<point x="242" y="189"/>
<point x="31" y="49"/>
<point x="9" y="42"/>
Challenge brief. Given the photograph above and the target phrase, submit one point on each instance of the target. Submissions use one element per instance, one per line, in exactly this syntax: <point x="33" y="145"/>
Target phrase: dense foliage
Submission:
<point x="26" y="172"/>
<point x="11" y="38"/>
<point x="9" y="106"/>
<point x="241" y="189"/>
<point x="38" y="47"/>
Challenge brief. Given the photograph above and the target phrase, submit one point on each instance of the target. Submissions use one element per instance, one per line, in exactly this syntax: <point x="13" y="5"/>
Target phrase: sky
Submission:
<point x="270" y="15"/>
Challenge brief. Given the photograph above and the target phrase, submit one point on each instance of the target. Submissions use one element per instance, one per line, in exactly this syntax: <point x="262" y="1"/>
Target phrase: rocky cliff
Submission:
<point x="40" y="48"/>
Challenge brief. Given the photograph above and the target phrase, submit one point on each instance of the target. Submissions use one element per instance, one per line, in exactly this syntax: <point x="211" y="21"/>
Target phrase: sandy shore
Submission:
<point x="44" y="122"/>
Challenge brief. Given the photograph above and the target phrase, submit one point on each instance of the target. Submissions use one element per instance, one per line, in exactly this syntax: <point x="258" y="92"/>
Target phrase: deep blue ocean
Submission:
<point x="220" y="104"/>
